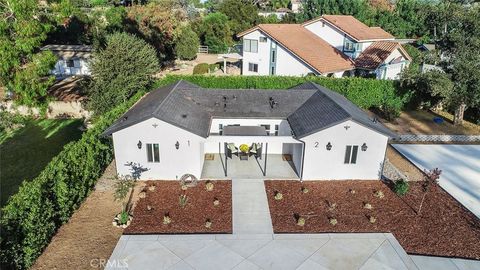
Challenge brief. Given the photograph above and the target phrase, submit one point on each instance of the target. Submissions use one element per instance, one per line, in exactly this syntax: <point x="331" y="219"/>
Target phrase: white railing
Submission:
<point x="202" y="49"/>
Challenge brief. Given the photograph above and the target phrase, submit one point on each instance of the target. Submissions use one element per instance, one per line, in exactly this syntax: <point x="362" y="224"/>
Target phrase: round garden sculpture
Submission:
<point x="188" y="180"/>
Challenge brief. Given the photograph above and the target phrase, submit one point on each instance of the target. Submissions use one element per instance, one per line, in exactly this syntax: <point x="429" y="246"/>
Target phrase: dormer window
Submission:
<point x="349" y="46"/>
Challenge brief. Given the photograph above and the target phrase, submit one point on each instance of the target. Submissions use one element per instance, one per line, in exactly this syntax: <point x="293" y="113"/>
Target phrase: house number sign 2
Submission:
<point x="316" y="144"/>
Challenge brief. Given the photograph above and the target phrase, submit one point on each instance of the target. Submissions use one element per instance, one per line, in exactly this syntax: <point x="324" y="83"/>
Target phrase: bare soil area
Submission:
<point x="88" y="239"/>
<point x="421" y="122"/>
<point x="164" y="200"/>
<point x="442" y="228"/>
<point x="404" y="165"/>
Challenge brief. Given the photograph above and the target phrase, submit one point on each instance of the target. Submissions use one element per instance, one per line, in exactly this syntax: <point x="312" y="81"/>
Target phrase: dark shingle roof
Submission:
<point x="307" y="107"/>
<point x="327" y="108"/>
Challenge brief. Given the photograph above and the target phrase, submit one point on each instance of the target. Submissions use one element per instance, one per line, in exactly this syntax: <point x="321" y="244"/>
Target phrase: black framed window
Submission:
<point x="351" y="152"/>
<point x="70" y="63"/>
<point x="276" y="130"/>
<point x="263" y="39"/>
<point x="252" y="67"/>
<point x="153" y="152"/>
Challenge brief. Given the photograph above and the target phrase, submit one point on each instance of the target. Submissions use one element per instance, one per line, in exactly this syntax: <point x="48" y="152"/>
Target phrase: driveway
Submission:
<point x="460" y="165"/>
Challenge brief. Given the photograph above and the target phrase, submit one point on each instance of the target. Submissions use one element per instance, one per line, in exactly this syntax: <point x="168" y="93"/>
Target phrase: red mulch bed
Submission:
<point x="190" y="219"/>
<point x="443" y="228"/>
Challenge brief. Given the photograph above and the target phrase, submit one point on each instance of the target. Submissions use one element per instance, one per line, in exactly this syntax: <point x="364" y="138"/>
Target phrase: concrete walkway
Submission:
<point x="260" y="251"/>
<point x="251" y="214"/>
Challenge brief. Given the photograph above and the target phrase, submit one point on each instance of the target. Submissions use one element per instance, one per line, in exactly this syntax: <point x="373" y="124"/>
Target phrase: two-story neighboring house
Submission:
<point x="339" y="44"/>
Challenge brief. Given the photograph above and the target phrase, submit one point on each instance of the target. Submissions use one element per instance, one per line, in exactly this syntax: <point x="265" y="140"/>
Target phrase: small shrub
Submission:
<point x="401" y="187"/>
<point x="367" y="206"/>
<point x="201" y="68"/>
<point x="123" y="218"/>
<point x="372" y="219"/>
<point x="142" y="195"/>
<point x="301" y="221"/>
<point x="151" y="188"/>
<point x="209" y="186"/>
<point x="216" y="202"/>
<point x="278" y="196"/>
<point x="352" y="191"/>
<point x="213" y="67"/>
<point x="379" y="194"/>
<point x="208" y="223"/>
<point x="332" y="221"/>
<point x="166" y="219"/>
<point x="183" y="200"/>
<point x="305" y="190"/>
<point x="184" y="187"/>
<point x="331" y="206"/>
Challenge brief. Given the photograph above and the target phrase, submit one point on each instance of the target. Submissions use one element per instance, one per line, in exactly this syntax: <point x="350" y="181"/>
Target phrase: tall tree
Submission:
<point x="215" y="32"/>
<point x="241" y="14"/>
<point x="124" y="67"/>
<point x="457" y="30"/>
<point x="23" y="69"/>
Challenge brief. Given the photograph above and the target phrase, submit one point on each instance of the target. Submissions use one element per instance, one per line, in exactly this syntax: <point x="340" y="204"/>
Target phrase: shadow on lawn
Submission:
<point x="29" y="149"/>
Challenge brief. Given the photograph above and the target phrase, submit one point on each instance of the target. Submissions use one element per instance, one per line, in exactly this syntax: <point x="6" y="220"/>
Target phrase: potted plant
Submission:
<point x="123" y="185"/>
<point x="244" y="148"/>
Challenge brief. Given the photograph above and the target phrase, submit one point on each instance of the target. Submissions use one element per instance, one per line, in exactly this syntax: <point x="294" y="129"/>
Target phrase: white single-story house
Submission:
<point x="171" y="130"/>
<point x="72" y="59"/>
<point x="331" y="45"/>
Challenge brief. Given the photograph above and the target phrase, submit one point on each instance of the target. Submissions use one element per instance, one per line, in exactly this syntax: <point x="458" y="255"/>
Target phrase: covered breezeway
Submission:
<point x="268" y="157"/>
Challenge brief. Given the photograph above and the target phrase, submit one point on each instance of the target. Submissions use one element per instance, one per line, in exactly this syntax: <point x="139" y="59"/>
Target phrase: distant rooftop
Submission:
<point x="72" y="48"/>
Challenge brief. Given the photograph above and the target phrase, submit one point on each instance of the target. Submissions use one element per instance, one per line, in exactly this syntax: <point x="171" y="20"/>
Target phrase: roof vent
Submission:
<point x="272" y="102"/>
<point x="224" y="107"/>
<point x="224" y="98"/>
<point x="374" y="120"/>
<point x="217" y="103"/>
<point x="184" y="116"/>
<point x="125" y="118"/>
<point x="234" y="97"/>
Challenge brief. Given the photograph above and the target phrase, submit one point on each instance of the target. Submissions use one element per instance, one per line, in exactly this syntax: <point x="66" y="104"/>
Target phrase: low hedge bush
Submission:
<point x="32" y="216"/>
<point x="201" y="68"/>
<point x="384" y="95"/>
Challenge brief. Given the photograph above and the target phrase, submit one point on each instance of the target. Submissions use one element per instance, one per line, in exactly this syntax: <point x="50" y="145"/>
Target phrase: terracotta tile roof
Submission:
<point x="376" y="54"/>
<point x="354" y="28"/>
<point x="307" y="46"/>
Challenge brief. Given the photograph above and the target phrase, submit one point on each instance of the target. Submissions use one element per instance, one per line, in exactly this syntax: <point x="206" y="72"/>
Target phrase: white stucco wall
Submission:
<point x="391" y="71"/>
<point x="287" y="64"/>
<point x="328" y="33"/>
<point x="173" y="163"/>
<point x="80" y="68"/>
<point x="320" y="164"/>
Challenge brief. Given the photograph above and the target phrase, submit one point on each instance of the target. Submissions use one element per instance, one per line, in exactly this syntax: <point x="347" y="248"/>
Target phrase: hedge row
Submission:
<point x="384" y="95"/>
<point x="32" y="216"/>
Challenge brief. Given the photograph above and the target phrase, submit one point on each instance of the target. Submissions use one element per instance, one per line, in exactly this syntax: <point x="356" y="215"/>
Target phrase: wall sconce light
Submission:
<point x="364" y="147"/>
<point x="177" y="145"/>
<point x="328" y="146"/>
<point x="139" y="145"/>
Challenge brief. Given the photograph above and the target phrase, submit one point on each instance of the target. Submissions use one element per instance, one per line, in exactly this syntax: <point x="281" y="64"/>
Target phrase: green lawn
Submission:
<point x="26" y="151"/>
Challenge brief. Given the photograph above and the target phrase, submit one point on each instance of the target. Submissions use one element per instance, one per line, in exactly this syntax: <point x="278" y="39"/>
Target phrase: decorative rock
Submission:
<point x="278" y="196"/>
<point x="149" y="207"/>
<point x="301" y="221"/>
<point x="353" y="191"/>
<point x="209" y="186"/>
<point x="184" y="187"/>
<point x="305" y="190"/>
<point x="142" y="195"/>
<point x="333" y="221"/>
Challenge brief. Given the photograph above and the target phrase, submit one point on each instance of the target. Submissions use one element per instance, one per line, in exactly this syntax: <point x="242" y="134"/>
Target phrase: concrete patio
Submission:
<point x="249" y="169"/>
<point x="260" y="251"/>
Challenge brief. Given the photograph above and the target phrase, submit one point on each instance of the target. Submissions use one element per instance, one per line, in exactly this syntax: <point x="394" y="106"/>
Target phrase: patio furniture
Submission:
<point x="231" y="150"/>
<point x="255" y="149"/>
<point x="243" y="156"/>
